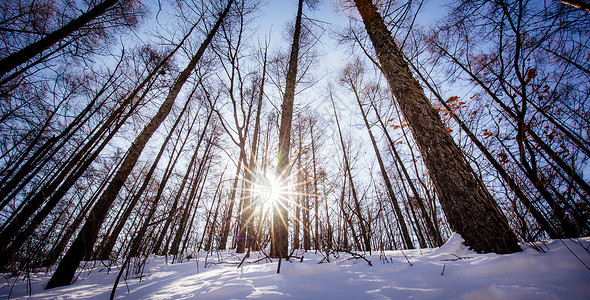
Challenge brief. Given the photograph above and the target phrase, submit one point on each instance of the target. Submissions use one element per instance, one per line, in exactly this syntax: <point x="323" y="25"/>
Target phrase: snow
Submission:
<point x="554" y="274"/>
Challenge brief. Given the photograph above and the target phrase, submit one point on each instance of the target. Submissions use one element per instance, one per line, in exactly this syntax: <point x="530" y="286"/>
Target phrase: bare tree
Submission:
<point x="87" y="236"/>
<point x="470" y="209"/>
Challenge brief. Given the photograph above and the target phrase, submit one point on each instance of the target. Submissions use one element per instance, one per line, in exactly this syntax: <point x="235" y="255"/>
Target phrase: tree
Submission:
<point x="470" y="209"/>
<point x="23" y="55"/>
<point x="349" y="76"/>
<point x="280" y="231"/>
<point x="84" y="242"/>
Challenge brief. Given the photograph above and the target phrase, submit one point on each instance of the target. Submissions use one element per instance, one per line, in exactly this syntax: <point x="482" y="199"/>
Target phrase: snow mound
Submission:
<point x="455" y="245"/>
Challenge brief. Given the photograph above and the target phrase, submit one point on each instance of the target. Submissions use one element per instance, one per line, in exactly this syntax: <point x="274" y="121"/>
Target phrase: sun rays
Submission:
<point x="265" y="193"/>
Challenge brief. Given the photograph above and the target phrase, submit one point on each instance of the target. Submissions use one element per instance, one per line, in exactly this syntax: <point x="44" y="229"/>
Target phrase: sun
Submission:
<point x="269" y="190"/>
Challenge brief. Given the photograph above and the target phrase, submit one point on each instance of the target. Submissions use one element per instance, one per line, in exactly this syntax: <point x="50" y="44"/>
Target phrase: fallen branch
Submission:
<point x="356" y="256"/>
<point x="456" y="259"/>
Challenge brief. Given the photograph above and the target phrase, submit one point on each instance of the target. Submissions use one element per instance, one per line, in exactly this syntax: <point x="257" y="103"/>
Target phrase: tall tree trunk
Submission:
<point x="185" y="178"/>
<point x="14" y="60"/>
<point x="470" y="209"/>
<point x="501" y="171"/>
<point x="250" y="234"/>
<point x="306" y="209"/>
<point x="209" y="224"/>
<point x="280" y="236"/>
<point x="232" y="200"/>
<point x="430" y="224"/>
<point x="201" y="177"/>
<point x="347" y="220"/>
<point x="357" y="205"/>
<point x="316" y="236"/>
<point x="330" y="236"/>
<point x="405" y="234"/>
<point x="105" y="251"/>
<point x="87" y="236"/>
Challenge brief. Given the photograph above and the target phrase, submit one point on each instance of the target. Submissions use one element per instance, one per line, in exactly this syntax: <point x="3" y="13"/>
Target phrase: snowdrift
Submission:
<point x="449" y="272"/>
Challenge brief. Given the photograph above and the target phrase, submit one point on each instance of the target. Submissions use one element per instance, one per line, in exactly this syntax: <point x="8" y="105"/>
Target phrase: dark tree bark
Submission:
<point x="280" y="236"/>
<point x="501" y="171"/>
<point x="105" y="251"/>
<point x="470" y="209"/>
<point x="14" y="60"/>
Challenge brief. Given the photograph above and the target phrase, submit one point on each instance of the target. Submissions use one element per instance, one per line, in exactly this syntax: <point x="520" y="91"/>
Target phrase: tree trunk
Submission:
<point x="250" y="234"/>
<point x="470" y="209"/>
<point x="185" y="178"/>
<point x="501" y="171"/>
<point x="14" y="60"/>
<point x="389" y="188"/>
<point x="114" y="234"/>
<point x="432" y="229"/>
<point x="86" y="238"/>
<point x="280" y="236"/>
<point x="357" y="205"/>
<point x="316" y="236"/>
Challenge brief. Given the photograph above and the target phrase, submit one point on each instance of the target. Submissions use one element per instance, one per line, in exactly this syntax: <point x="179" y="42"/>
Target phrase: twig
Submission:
<point x="108" y="267"/>
<point x="357" y="256"/>
<point x="326" y="257"/>
<point x="578" y="242"/>
<point x="244" y="258"/>
<point x="456" y="259"/>
<point x="443" y="271"/>
<point x="12" y="287"/>
<point x="290" y="255"/>
<point x="568" y="248"/>
<point x="119" y="275"/>
<point x="407" y="258"/>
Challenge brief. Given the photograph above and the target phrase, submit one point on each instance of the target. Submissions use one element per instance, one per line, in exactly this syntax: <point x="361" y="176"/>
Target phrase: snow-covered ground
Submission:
<point x="449" y="272"/>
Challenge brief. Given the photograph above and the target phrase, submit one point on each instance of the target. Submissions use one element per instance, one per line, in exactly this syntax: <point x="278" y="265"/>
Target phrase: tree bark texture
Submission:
<point x="470" y="209"/>
<point x="280" y="236"/>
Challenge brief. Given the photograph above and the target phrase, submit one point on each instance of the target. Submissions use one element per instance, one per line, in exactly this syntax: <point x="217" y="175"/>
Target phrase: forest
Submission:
<point x="132" y="129"/>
